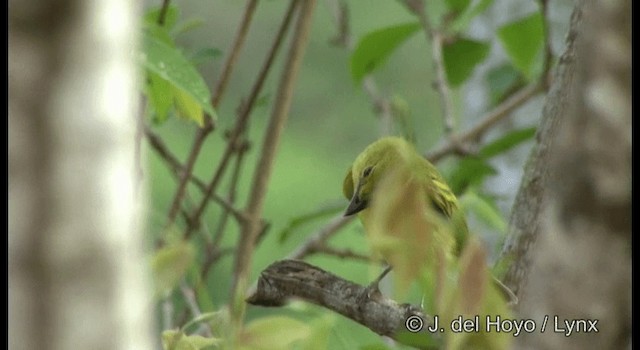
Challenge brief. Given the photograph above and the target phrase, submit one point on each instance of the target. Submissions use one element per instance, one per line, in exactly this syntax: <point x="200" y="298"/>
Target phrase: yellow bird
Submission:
<point x="390" y="174"/>
<point x="390" y="154"/>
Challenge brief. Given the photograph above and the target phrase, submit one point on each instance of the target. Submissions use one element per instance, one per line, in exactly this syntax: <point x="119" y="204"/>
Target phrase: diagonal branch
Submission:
<point x="287" y="279"/>
<point x="202" y="133"/>
<point x="251" y="229"/>
<point x="494" y="116"/>
<point x="243" y="117"/>
<point x="436" y="38"/>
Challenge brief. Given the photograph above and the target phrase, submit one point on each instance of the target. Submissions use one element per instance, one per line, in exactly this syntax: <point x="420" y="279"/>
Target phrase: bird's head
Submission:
<point x="369" y="168"/>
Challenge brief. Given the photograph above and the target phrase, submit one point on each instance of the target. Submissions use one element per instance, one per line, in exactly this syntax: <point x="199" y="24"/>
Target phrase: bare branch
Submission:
<point x="202" y="133"/>
<point x="190" y="297"/>
<point x="320" y="237"/>
<point x="243" y="117"/>
<point x="496" y="115"/>
<point x="163" y="151"/>
<point x="340" y="253"/>
<point x="163" y="12"/>
<point x="251" y="228"/>
<point x="287" y="279"/>
<point x="380" y="102"/>
<point x="436" y="38"/>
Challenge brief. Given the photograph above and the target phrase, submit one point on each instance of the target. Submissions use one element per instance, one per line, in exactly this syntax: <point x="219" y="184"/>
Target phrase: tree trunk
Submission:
<point x="76" y="276"/>
<point x="570" y="248"/>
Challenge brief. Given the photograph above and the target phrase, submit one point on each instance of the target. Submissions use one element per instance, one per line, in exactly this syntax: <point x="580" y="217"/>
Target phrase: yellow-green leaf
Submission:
<point x="170" y="64"/>
<point x="169" y="264"/>
<point x="187" y="107"/>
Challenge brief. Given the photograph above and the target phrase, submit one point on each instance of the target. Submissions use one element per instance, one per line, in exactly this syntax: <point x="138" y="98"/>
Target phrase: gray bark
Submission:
<point x="570" y="248"/>
<point x="76" y="278"/>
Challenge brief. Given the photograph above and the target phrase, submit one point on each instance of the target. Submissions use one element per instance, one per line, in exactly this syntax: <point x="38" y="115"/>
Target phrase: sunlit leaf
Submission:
<point x="187" y="107"/>
<point x="169" y="64"/>
<point x="160" y="94"/>
<point x="374" y="48"/>
<point x="523" y="40"/>
<point x="461" y="57"/>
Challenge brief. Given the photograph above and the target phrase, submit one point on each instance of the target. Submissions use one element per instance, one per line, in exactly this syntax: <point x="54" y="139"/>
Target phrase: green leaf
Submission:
<point x="461" y="57"/>
<point x="375" y="47"/>
<point x="507" y="142"/>
<point x="169" y="64"/>
<point x="187" y="107"/>
<point x="160" y="95"/>
<point x="276" y="332"/>
<point x="502" y="80"/>
<point x="470" y="171"/>
<point x="523" y="40"/>
<point x="169" y="264"/>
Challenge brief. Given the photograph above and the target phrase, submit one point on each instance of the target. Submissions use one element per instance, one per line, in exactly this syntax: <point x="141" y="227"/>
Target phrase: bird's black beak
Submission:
<point x="357" y="204"/>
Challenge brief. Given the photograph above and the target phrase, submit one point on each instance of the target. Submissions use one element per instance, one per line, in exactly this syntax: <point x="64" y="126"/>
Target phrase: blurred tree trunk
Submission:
<point x="570" y="245"/>
<point x="76" y="277"/>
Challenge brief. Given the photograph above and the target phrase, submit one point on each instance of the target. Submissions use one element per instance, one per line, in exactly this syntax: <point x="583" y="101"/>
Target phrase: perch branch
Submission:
<point x="288" y="279"/>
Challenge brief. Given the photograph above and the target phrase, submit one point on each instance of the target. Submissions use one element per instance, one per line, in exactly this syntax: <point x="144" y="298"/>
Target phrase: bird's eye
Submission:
<point x="367" y="171"/>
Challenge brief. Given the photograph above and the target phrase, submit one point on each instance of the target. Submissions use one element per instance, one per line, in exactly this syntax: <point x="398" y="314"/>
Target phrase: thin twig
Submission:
<point x="163" y="151"/>
<point x="380" y="102"/>
<point x="243" y="117"/>
<point x="320" y="237"/>
<point x="251" y="228"/>
<point x="436" y="38"/>
<point x="163" y="12"/>
<point x="341" y="253"/>
<point x="202" y="133"/>
<point x="190" y="297"/>
<point x="489" y="120"/>
<point x="231" y="196"/>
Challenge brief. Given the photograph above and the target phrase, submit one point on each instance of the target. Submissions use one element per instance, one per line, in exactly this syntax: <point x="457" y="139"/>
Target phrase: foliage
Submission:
<point x="195" y="252"/>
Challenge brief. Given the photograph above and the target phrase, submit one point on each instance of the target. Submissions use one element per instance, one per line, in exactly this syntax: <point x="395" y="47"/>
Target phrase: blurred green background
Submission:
<point x="331" y="121"/>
